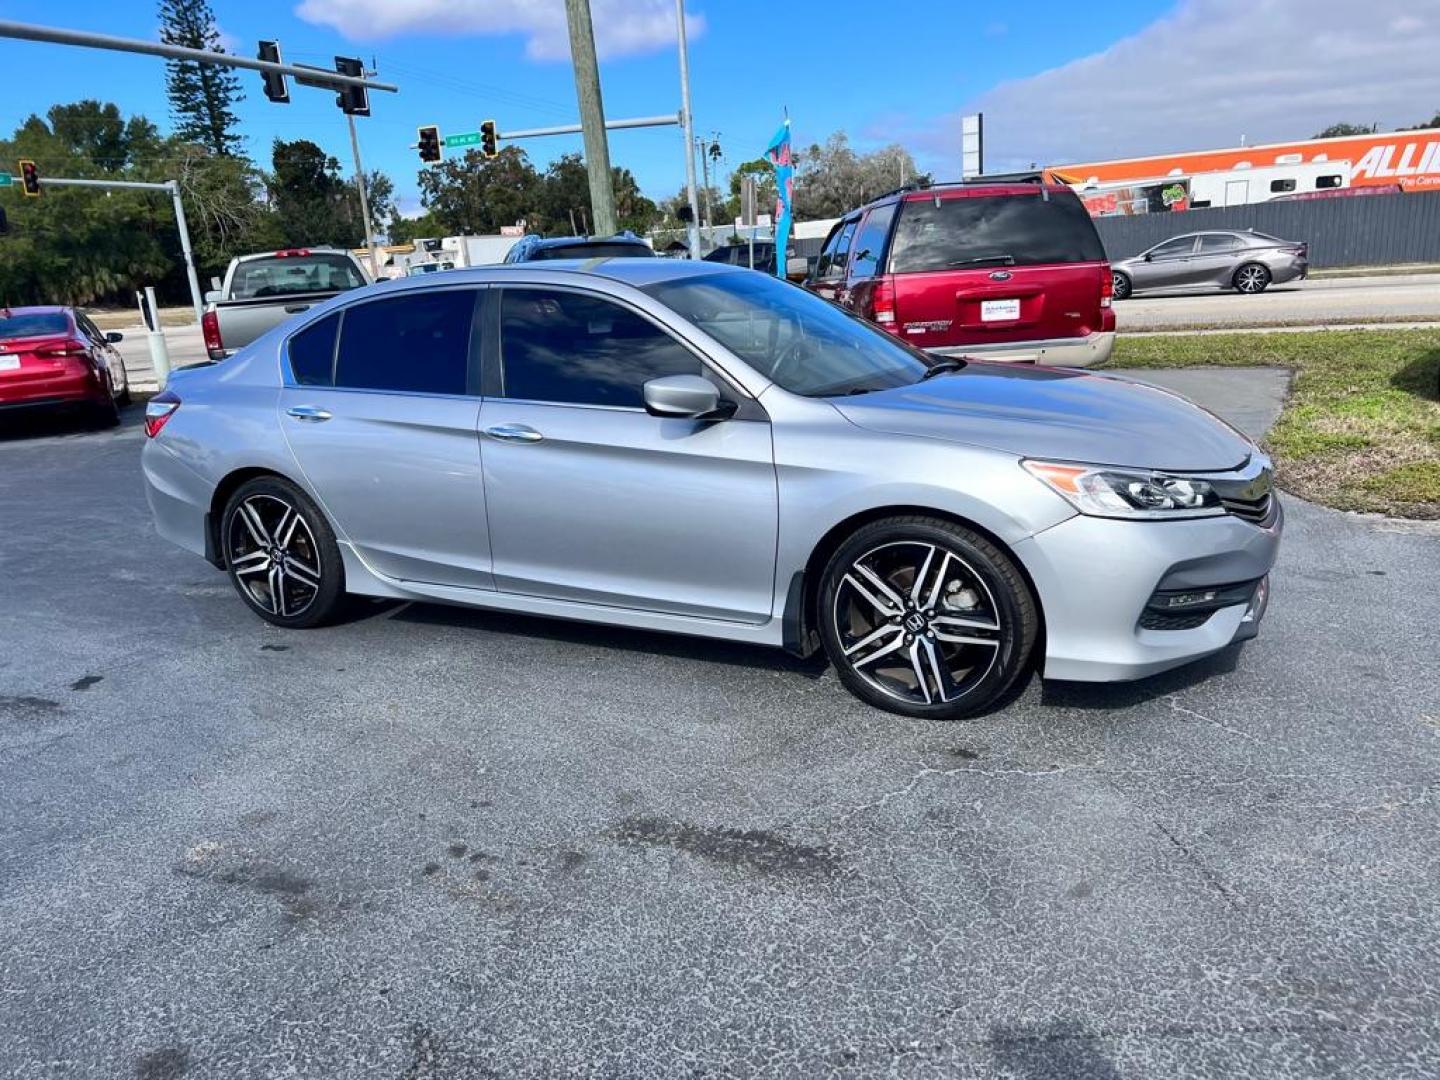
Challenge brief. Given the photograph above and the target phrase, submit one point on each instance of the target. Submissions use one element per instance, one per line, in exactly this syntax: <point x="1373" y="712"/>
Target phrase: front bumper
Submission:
<point x="1086" y="351"/>
<point x="1098" y="580"/>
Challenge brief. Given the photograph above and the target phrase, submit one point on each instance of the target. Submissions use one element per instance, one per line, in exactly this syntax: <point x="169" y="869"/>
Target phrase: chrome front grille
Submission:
<point x="1252" y="510"/>
<point x="1248" y="492"/>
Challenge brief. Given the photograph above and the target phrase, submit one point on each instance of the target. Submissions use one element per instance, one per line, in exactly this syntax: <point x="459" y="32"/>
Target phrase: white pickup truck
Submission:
<point x="261" y="291"/>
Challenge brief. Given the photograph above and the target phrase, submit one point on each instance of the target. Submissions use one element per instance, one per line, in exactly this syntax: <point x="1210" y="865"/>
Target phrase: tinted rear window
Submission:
<point x="34" y="324"/>
<point x="418" y="342"/>
<point x="592" y="251"/>
<point x="993" y="230"/>
<point x="282" y="275"/>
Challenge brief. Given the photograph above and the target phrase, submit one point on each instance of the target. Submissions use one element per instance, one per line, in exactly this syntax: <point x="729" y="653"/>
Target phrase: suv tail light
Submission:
<point x="882" y="305"/>
<point x="1107" y="285"/>
<point x="210" y="328"/>
<point x="158" y="411"/>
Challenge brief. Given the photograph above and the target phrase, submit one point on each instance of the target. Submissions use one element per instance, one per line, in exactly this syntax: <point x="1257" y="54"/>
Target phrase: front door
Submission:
<point x="1166" y="266"/>
<point x="592" y="499"/>
<point x="383" y="427"/>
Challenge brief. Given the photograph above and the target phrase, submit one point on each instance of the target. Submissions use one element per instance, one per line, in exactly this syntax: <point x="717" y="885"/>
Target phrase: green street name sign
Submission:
<point x="6" y="179"/>
<point x="469" y="138"/>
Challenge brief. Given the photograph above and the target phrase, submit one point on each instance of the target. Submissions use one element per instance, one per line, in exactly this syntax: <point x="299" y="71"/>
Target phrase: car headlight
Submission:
<point x="1127" y="493"/>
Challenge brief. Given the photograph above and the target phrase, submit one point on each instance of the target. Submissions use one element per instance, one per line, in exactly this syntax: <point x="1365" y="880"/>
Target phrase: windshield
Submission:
<point x="34" y="324"/>
<point x="592" y="251"/>
<point x="803" y="343"/>
<point x="993" y="230"/>
<point x="283" y="275"/>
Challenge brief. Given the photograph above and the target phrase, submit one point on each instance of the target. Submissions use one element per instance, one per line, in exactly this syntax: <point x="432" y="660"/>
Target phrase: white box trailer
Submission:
<point x="476" y="250"/>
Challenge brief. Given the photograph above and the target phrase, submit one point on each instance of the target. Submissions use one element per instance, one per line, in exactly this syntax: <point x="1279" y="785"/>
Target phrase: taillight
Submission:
<point x="210" y="328"/>
<point x="882" y="305"/>
<point x="64" y="348"/>
<point x="158" y="411"/>
<point x="1107" y="285"/>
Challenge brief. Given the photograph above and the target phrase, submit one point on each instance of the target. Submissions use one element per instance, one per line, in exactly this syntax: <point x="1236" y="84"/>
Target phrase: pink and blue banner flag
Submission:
<point x="779" y="154"/>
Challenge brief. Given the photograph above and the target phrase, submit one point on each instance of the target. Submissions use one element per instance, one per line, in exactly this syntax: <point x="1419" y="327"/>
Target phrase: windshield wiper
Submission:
<point x="943" y="367"/>
<point x="985" y="260"/>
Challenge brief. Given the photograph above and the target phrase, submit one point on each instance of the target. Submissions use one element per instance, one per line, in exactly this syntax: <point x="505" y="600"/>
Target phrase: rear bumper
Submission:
<point x="1084" y="351"/>
<point x="52" y="393"/>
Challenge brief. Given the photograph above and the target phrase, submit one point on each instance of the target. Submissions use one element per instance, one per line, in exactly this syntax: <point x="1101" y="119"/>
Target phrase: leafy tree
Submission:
<point x="1433" y="122"/>
<point x="476" y="194"/>
<point x="402" y="230"/>
<point x="313" y="204"/>
<point x="98" y="133"/>
<point x="833" y="178"/>
<point x="1336" y="131"/>
<point x="633" y="210"/>
<point x="202" y="96"/>
<point x="764" y="174"/>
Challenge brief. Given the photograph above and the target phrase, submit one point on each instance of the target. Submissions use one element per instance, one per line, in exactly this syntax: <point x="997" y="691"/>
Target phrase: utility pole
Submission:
<point x="592" y="115"/>
<point x="364" y="202"/>
<point x="705" y="179"/>
<point x="686" y="121"/>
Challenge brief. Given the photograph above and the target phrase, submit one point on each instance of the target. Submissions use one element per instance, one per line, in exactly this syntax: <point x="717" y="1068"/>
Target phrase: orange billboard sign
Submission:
<point x="1408" y="158"/>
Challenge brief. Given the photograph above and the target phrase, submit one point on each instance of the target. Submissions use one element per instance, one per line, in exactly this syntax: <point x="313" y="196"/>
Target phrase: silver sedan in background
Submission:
<point x="1247" y="262"/>
<point x="702" y="449"/>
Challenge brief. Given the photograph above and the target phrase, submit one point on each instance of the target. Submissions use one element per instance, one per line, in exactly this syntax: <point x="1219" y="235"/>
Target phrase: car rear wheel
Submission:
<point x="1121" y="282"/>
<point x="926" y="618"/>
<point x="1251" y="278"/>
<point x="123" y="397"/>
<point x="281" y="554"/>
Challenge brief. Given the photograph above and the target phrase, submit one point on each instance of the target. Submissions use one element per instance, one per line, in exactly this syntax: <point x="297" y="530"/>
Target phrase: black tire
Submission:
<point x="1251" y="279"/>
<point x="1122" y="285"/>
<point x="105" y="415"/>
<point x="975" y="583"/>
<point x="311" y="578"/>
<point x="123" y="398"/>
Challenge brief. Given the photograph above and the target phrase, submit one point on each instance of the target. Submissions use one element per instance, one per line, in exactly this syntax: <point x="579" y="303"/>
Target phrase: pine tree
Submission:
<point x="202" y="96"/>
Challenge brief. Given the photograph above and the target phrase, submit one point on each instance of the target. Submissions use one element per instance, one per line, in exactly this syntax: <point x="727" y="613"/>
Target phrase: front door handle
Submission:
<point x="295" y="309"/>
<point x="311" y="413"/>
<point x="516" y="433"/>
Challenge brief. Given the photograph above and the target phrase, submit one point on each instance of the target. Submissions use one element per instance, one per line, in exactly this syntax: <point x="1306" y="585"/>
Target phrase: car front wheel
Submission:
<point x="926" y="618"/>
<point x="281" y="554"/>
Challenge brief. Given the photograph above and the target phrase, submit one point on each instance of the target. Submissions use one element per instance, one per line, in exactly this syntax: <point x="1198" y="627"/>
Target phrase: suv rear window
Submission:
<point x="592" y="251"/>
<point x="282" y="275"/>
<point x="993" y="230"/>
<point x="34" y="324"/>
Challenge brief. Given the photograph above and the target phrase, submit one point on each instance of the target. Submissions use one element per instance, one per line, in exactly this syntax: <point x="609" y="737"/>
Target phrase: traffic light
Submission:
<point x="277" y="87"/>
<point x="488" y="138"/>
<point x="353" y="100"/>
<point x="429" y="144"/>
<point x="30" y="177"/>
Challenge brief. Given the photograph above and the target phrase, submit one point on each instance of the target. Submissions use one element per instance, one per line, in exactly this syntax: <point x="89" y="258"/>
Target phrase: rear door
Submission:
<point x="382" y="422"/>
<point x="987" y="269"/>
<point x="1214" y="260"/>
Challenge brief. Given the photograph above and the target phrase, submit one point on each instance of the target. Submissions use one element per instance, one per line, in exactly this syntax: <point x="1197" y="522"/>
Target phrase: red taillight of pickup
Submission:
<point x="210" y="328"/>
<point x="158" y="411"/>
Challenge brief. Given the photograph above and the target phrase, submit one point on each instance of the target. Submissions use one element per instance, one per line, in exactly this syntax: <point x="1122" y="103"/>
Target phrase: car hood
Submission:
<point x="1056" y="413"/>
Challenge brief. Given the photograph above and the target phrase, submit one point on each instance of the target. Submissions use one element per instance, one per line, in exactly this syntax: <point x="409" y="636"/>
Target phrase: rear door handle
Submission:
<point x="311" y="413"/>
<point x="295" y="309"/>
<point x="516" y="433"/>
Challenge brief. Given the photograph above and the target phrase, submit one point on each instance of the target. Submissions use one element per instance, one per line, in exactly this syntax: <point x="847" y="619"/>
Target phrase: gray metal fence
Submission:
<point x="1371" y="230"/>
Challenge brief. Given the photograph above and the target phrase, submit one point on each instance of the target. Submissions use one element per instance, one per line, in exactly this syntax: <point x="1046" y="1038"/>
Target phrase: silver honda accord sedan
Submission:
<point x="703" y="449"/>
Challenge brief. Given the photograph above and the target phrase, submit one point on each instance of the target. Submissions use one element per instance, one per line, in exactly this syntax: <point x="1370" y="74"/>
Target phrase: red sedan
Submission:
<point x="55" y="357"/>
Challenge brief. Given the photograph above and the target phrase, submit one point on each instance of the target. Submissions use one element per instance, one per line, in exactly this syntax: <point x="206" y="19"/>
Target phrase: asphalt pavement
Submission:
<point x="439" y="843"/>
<point x="1317" y="302"/>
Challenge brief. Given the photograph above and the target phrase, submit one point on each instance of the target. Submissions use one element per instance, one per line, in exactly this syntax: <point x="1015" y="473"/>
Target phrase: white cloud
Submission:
<point x="1206" y="74"/>
<point x="622" y="27"/>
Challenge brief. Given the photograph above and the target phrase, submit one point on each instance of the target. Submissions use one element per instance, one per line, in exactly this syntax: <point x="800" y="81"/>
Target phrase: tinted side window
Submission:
<point x="1034" y="229"/>
<point x="1180" y="246"/>
<point x="417" y="343"/>
<point x="1334" y="180"/>
<point x="1285" y="184"/>
<point x="870" y="241"/>
<point x="581" y="350"/>
<point x="837" y="249"/>
<point x="312" y="353"/>
<point x="1217" y="242"/>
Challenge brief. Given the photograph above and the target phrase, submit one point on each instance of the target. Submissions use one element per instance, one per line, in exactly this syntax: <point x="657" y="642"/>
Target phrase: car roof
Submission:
<point x="573" y="241"/>
<point x="634" y="272"/>
<point x="963" y="190"/>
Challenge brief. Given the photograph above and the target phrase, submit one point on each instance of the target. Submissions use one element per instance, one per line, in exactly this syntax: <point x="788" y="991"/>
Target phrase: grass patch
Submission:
<point x="1361" y="428"/>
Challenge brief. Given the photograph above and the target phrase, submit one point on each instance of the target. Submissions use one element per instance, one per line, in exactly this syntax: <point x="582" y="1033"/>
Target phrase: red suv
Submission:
<point x="1000" y="271"/>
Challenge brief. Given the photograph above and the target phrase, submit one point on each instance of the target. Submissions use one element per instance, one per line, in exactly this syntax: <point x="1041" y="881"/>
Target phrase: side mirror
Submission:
<point x="214" y="296"/>
<point x="1147" y="256"/>
<point x="797" y="268"/>
<point x="215" y="284"/>
<point x="686" y="396"/>
<point x="114" y="337"/>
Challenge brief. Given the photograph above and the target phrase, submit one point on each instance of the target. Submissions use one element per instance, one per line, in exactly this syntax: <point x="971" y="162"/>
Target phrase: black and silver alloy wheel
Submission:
<point x="273" y="555"/>
<point x="1120" y="284"/>
<point x="925" y="617"/>
<point x="281" y="554"/>
<point x="1251" y="278"/>
<point x="917" y="622"/>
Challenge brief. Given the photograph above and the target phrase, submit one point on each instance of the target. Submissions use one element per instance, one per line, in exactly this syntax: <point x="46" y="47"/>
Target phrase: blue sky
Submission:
<point x="1058" y="81"/>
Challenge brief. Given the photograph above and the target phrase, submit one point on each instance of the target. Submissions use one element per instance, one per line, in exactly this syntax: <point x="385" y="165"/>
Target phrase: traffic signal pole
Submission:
<point x="170" y="187"/>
